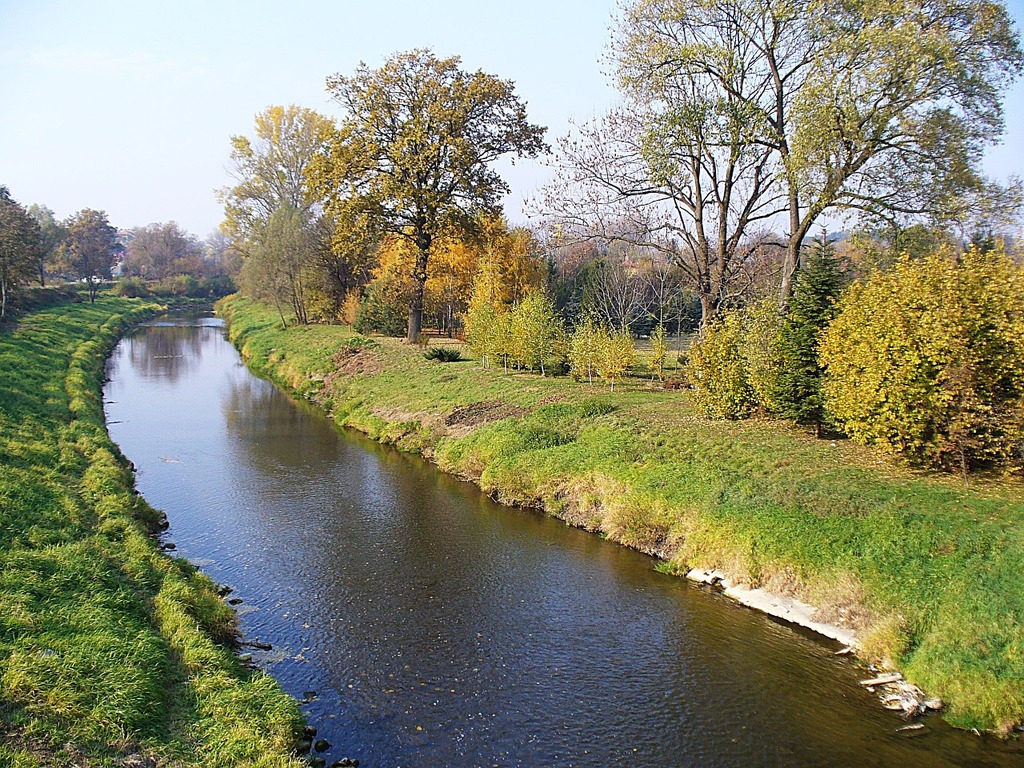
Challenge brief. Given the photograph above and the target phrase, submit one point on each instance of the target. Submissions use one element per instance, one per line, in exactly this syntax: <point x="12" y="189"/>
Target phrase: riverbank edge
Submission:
<point x="412" y="433"/>
<point x="234" y="715"/>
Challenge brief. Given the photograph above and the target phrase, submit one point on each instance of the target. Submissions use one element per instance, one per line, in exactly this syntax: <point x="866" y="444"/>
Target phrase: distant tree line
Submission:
<point x="35" y="247"/>
<point x="163" y="259"/>
<point x="85" y="249"/>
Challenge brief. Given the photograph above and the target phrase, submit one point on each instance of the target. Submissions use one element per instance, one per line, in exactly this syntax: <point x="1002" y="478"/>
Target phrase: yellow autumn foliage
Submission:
<point x="927" y="360"/>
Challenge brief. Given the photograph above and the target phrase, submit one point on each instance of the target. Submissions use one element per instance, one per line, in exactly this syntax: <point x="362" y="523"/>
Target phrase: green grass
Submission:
<point x="929" y="572"/>
<point x="109" y="649"/>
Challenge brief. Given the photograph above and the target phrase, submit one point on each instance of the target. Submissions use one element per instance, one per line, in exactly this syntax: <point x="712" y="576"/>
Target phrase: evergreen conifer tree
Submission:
<point x="811" y="308"/>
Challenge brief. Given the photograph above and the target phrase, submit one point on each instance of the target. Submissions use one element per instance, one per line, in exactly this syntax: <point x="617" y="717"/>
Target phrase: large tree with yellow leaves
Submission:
<point x="415" y="147"/>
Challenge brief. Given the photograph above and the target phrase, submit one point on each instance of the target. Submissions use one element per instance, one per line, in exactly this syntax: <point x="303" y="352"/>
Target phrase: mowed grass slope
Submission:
<point x="111" y="653"/>
<point x="928" y="571"/>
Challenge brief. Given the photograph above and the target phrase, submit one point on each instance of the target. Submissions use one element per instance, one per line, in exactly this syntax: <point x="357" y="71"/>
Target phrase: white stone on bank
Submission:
<point x="897" y="693"/>
<point x="790" y="609"/>
<point x="787" y="608"/>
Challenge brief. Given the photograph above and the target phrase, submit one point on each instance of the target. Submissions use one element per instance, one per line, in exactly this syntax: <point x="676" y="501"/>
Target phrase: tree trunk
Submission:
<point x="789" y="269"/>
<point x="707" y="310"/>
<point x="792" y="263"/>
<point x="419" y="277"/>
<point x="415" y="314"/>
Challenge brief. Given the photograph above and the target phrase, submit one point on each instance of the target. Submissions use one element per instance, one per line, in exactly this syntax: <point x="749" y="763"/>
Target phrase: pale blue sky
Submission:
<point x="128" y="106"/>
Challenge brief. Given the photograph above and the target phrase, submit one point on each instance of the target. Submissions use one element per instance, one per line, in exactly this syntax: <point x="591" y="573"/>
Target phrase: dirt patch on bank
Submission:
<point x="349" y="361"/>
<point x="466" y="418"/>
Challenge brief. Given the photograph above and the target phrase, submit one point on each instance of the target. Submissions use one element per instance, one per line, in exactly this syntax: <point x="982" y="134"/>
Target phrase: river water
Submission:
<point x="430" y="626"/>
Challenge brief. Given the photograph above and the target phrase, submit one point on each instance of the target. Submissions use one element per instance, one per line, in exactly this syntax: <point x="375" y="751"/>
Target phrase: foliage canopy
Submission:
<point x="414" y="149"/>
<point x="927" y="360"/>
<point x="21" y="248"/>
<point x="90" y="248"/>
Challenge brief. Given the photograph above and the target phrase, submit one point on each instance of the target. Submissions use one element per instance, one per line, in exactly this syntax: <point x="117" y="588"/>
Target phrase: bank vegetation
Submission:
<point x="111" y="652"/>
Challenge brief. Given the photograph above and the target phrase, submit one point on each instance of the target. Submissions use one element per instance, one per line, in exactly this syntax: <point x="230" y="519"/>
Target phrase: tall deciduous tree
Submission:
<point x="20" y="246"/>
<point x="271" y="169"/>
<point x="677" y="170"/>
<point x="615" y="292"/>
<point x="272" y="212"/>
<point x="343" y="259"/>
<point x="876" y="107"/>
<point x="52" y="233"/>
<point x="415" y="147"/>
<point x="90" y="249"/>
<point x="277" y="269"/>
<point x="507" y="265"/>
<point x="222" y="258"/>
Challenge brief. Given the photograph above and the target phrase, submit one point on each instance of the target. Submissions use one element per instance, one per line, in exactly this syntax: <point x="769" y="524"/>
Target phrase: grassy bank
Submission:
<point x="111" y="653"/>
<point x="927" y="571"/>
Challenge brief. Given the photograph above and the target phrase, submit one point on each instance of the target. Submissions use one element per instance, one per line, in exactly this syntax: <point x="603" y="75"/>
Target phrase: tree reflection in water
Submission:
<point x="167" y="351"/>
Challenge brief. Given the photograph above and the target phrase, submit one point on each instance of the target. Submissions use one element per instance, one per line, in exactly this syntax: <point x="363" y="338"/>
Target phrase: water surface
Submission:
<point x="437" y="628"/>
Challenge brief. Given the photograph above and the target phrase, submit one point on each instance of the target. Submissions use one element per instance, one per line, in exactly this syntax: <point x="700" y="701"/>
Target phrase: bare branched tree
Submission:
<point x="684" y="176"/>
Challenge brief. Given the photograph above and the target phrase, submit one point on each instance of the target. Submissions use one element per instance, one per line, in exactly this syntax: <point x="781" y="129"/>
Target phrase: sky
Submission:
<point x="128" y="106"/>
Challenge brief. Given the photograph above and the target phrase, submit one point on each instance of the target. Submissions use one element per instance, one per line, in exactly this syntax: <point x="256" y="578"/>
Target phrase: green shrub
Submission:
<point x="443" y="354"/>
<point x="132" y="288"/>
<point x="718" y="372"/>
<point x="379" y="314"/>
<point x="180" y="285"/>
<point x="219" y="286"/>
<point x="735" y="365"/>
<point x="360" y="342"/>
<point x="927" y="361"/>
<point x="761" y="351"/>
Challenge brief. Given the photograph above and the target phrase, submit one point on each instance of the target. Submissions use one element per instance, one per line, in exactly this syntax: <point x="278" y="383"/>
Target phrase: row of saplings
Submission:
<point x="925" y="360"/>
<point x="530" y="335"/>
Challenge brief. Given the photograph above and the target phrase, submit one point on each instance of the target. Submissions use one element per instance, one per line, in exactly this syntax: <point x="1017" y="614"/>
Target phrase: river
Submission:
<point x="429" y="626"/>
